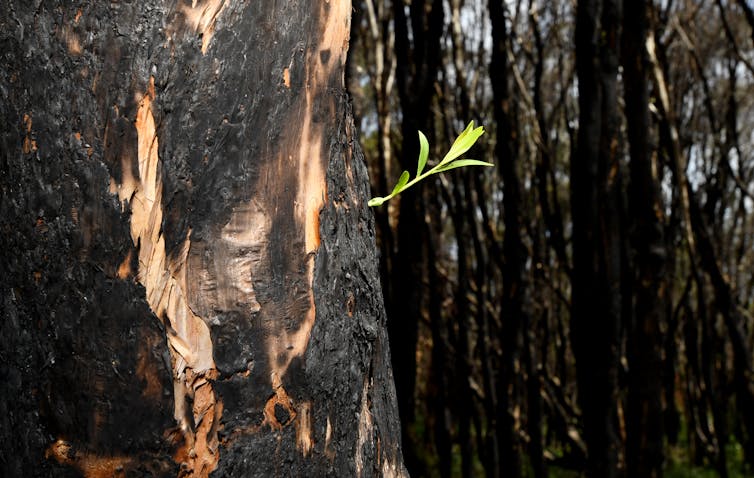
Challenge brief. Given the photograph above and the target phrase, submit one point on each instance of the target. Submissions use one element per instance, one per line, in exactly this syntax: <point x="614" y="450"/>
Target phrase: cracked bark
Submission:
<point x="192" y="287"/>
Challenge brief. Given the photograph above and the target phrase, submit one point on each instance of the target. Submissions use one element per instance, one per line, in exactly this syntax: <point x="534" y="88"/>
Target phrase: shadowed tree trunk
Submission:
<point x="417" y="63"/>
<point x="190" y="284"/>
<point x="596" y="296"/>
<point x="440" y="355"/>
<point x="513" y="310"/>
<point x="644" y="447"/>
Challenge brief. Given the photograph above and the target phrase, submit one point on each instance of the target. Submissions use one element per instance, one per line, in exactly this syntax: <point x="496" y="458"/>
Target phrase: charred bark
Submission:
<point x="192" y="285"/>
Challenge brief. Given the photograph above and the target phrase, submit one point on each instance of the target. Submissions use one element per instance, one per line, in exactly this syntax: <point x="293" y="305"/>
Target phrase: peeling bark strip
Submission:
<point x="88" y="464"/>
<point x="226" y="279"/>
<point x="198" y="18"/>
<point x="196" y="408"/>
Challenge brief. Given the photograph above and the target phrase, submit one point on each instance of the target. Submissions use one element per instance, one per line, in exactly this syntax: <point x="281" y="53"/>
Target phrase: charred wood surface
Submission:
<point x="189" y="282"/>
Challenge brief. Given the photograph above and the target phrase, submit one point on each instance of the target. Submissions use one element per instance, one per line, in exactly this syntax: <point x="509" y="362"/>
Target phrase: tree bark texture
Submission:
<point x="189" y="278"/>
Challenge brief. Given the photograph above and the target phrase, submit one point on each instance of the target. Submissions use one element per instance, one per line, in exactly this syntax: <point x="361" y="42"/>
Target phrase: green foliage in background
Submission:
<point x="463" y="143"/>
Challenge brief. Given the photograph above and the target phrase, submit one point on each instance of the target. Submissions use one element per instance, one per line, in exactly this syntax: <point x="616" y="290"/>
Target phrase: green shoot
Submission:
<point x="463" y="143"/>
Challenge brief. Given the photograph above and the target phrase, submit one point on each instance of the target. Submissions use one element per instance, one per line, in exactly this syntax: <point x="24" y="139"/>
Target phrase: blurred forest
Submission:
<point x="585" y="308"/>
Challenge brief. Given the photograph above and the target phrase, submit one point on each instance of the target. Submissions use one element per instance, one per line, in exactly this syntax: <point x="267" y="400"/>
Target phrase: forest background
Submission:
<point x="586" y="306"/>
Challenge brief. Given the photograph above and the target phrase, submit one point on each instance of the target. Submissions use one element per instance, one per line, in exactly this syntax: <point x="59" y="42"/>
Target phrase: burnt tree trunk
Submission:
<point x="513" y="307"/>
<point x="644" y="417"/>
<point x="189" y="278"/>
<point x="596" y="290"/>
<point x="418" y="61"/>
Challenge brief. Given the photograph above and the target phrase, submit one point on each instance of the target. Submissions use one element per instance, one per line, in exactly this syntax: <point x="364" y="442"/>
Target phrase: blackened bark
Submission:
<point x="377" y="49"/>
<point x="644" y="417"/>
<point x="192" y="286"/>
<point x="596" y="287"/>
<point x="514" y="253"/>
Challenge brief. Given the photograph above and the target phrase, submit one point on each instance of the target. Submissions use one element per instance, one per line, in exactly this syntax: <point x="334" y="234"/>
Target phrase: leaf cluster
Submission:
<point x="463" y="143"/>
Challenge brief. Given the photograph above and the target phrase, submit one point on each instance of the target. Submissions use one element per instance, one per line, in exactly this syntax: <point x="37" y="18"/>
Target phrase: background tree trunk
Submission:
<point x="644" y="415"/>
<point x="190" y="281"/>
<point x="418" y="60"/>
<point x="513" y="304"/>
<point x="595" y="189"/>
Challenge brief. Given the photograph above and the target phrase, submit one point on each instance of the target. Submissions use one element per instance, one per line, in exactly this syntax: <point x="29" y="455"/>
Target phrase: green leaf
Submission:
<point x="401" y="182"/>
<point x="464" y="142"/>
<point x="461" y="163"/>
<point x="423" y="153"/>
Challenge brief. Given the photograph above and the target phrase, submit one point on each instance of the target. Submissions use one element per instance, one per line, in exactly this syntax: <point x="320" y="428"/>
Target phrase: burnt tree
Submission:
<point x="514" y="251"/>
<point x="644" y="423"/>
<point x="417" y="50"/>
<point x="596" y="302"/>
<point x="189" y="278"/>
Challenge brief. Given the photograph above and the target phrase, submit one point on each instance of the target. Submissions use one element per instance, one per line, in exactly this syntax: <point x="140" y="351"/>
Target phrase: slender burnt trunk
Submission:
<point x="418" y="60"/>
<point x="464" y="404"/>
<point x="440" y="393"/>
<point x="644" y="418"/>
<point x="596" y="287"/>
<point x="190" y="284"/>
<point x="514" y="253"/>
